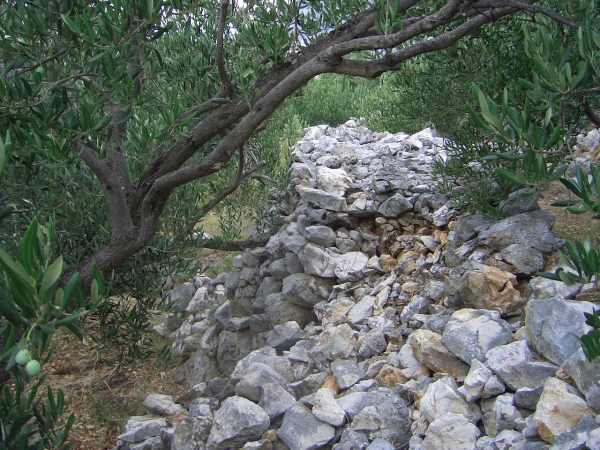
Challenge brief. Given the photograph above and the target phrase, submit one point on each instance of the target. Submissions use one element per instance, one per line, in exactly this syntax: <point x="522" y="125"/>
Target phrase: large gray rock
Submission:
<point x="518" y="366"/>
<point x="543" y="288"/>
<point x="163" y="405"/>
<point x="351" y="266"/>
<point x="322" y="199"/>
<point x="521" y="201"/>
<point x="554" y="327"/>
<point x="475" y="381"/>
<point x="500" y="414"/>
<point x="333" y="343"/>
<point x="334" y="181"/>
<point x="191" y="433"/>
<point x="318" y="261"/>
<point x="326" y="408"/>
<point x="388" y="419"/>
<point x="471" y="333"/>
<point x="526" y="260"/>
<point x="559" y="409"/>
<point x="237" y="421"/>
<point x="140" y="428"/>
<point x="266" y="356"/>
<point x="275" y="400"/>
<point x="533" y="229"/>
<point x="320" y="234"/>
<point x="346" y="372"/>
<point x="395" y="206"/>
<point x="254" y="378"/>
<point x="442" y="398"/>
<point x="284" y="336"/>
<point x="305" y="290"/>
<point x="301" y="430"/>
<point x="451" y="432"/>
<point x="586" y="375"/>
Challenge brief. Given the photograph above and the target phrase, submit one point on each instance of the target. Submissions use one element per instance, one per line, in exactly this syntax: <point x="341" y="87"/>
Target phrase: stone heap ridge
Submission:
<point x="380" y="318"/>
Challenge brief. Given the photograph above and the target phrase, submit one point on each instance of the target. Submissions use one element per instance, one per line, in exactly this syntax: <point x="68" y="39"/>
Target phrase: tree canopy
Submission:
<point x="134" y="99"/>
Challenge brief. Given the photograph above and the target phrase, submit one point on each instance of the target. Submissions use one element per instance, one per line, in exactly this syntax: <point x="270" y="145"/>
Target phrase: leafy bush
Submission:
<point x="33" y="305"/>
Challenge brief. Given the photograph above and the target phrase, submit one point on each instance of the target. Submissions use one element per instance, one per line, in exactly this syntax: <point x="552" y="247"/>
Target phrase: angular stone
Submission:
<point x="275" y="400"/>
<point x="541" y="288"/>
<point x="163" y="405"/>
<point x="305" y="290"/>
<point x="371" y="344"/>
<point x="326" y="408"/>
<point x="139" y="428"/>
<point x="394" y="206"/>
<point x="284" y="336"/>
<point x="526" y="260"/>
<point x="266" y="356"/>
<point x="451" y="432"/>
<point x="417" y="305"/>
<point x="431" y="352"/>
<point x="527" y="398"/>
<point x="520" y="201"/>
<point x="237" y="421"/>
<point x="351" y="266"/>
<point x="335" y="342"/>
<point x="320" y="234"/>
<point x="442" y="398"/>
<point x="500" y="414"/>
<point x="334" y="181"/>
<point x="254" y="378"/>
<point x="191" y="433"/>
<point x="518" y="366"/>
<point x="533" y="229"/>
<point x="301" y="430"/>
<point x="505" y="440"/>
<point x="554" y="327"/>
<point x="471" y="333"/>
<point x="475" y="381"/>
<point x="346" y="372"/>
<point x="487" y="287"/>
<point x="318" y="261"/>
<point x="388" y="419"/>
<point x="322" y="199"/>
<point x="361" y="311"/>
<point x="558" y="410"/>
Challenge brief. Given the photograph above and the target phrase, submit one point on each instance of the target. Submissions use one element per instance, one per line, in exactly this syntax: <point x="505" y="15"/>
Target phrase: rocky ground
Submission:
<point x="378" y="317"/>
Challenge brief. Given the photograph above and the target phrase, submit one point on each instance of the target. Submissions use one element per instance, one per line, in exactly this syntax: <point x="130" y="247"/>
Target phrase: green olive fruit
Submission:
<point x="33" y="368"/>
<point x="23" y="357"/>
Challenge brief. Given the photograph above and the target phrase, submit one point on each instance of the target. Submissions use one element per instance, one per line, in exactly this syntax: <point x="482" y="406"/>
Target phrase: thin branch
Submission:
<point x="41" y="63"/>
<point x="537" y="9"/>
<point x="227" y="87"/>
<point x="232" y="187"/>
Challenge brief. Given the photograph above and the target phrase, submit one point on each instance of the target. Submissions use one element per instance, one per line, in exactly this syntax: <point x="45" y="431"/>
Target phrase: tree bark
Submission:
<point x="135" y="211"/>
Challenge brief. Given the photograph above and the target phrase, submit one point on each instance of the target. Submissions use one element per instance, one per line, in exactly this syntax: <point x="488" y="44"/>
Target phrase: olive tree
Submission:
<point x="154" y="95"/>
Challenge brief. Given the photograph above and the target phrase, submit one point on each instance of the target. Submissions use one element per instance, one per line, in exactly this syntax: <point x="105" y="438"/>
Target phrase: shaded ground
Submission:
<point x="567" y="225"/>
<point x="102" y="391"/>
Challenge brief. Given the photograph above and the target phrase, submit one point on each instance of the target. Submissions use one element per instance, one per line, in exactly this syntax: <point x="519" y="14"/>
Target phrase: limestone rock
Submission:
<point x="305" y="290"/>
<point x="301" y="430"/>
<point x="326" y="408"/>
<point x="554" y="327"/>
<point x="558" y="410"/>
<point x="351" y="266"/>
<point x="442" y="398"/>
<point x="395" y="206"/>
<point x="487" y="287"/>
<point x="471" y="333"/>
<point x="237" y="420"/>
<point x="451" y="432"/>
<point x="163" y="405"/>
<point x="518" y="366"/>
<point x="431" y="352"/>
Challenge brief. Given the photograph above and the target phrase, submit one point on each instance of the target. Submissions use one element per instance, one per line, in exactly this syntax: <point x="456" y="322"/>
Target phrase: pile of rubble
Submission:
<point x="378" y="317"/>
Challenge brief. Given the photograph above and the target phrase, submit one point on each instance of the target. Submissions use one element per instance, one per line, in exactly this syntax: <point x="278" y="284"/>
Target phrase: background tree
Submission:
<point x="152" y="96"/>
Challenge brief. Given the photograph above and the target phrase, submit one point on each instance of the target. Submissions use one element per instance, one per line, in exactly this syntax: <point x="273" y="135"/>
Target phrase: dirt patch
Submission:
<point x="568" y="226"/>
<point x="102" y="391"/>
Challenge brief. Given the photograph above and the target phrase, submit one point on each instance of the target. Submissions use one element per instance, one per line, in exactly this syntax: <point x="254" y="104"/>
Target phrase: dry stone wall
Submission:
<point x="379" y="317"/>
